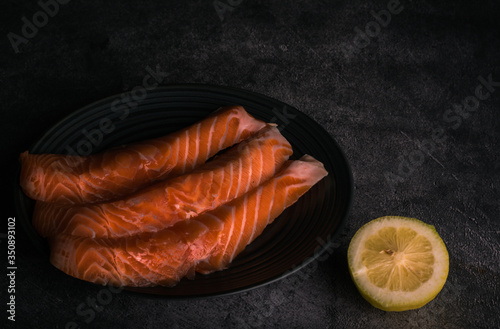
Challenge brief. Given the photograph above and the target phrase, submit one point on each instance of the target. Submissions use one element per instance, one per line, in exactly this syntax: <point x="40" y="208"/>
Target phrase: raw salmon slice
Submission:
<point x="206" y="243"/>
<point x="72" y="179"/>
<point x="161" y="205"/>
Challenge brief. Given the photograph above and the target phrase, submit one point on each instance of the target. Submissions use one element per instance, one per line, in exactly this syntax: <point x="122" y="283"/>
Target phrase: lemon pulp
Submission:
<point x="398" y="263"/>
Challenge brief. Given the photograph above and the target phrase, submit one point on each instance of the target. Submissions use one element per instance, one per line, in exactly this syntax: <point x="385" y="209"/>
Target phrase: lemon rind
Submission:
<point x="390" y="300"/>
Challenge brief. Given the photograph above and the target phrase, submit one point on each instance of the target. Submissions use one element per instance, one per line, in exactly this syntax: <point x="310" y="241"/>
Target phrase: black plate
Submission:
<point x="298" y="236"/>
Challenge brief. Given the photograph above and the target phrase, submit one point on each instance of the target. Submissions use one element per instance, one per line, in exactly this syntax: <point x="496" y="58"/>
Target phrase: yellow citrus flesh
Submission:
<point x="398" y="263"/>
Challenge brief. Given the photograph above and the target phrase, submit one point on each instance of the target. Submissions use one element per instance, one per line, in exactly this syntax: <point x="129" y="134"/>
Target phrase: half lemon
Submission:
<point x="398" y="263"/>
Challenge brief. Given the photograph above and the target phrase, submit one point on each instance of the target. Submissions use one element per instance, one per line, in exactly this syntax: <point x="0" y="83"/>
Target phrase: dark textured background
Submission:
<point x="380" y="104"/>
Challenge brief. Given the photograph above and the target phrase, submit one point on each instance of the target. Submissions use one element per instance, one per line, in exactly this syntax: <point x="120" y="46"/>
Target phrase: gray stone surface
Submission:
<point x="389" y="102"/>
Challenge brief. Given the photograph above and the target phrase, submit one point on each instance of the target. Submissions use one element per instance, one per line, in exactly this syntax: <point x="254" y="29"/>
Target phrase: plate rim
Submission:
<point x="199" y="87"/>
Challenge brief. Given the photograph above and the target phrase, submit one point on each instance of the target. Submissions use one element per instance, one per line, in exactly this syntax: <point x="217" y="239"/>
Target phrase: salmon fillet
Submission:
<point x="228" y="176"/>
<point x="206" y="243"/>
<point x="72" y="179"/>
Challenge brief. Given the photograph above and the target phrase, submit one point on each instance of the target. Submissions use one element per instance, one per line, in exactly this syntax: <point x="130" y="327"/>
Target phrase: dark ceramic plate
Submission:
<point x="296" y="238"/>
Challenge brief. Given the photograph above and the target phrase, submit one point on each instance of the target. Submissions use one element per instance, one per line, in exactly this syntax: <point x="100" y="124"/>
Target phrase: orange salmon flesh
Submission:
<point x="72" y="179"/>
<point x="204" y="244"/>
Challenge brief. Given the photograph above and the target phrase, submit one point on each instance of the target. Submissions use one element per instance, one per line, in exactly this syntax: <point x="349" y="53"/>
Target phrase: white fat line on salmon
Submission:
<point x="210" y="136"/>
<point x="178" y="143"/>
<point x="186" y="151"/>
<point x="213" y="203"/>
<point x="231" y="180"/>
<point x="240" y="166"/>
<point x="257" y="209"/>
<point x="197" y="148"/>
<point x="223" y="138"/>
<point x="272" y="201"/>
<point x="261" y="159"/>
<point x="242" y="228"/>
<point x="82" y="227"/>
<point x="230" y="235"/>
<point x="295" y="185"/>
